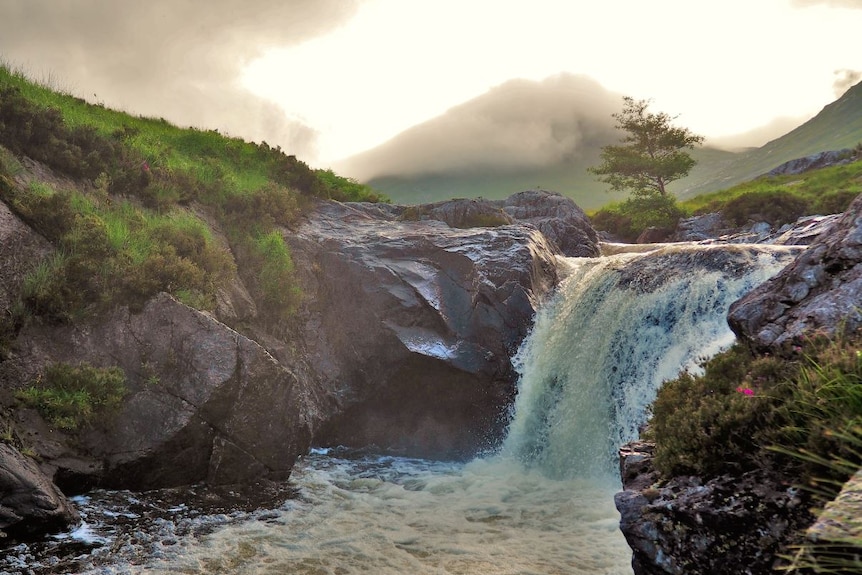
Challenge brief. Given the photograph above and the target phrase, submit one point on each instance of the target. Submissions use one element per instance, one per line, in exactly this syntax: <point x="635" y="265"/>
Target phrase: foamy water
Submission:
<point x="387" y="515"/>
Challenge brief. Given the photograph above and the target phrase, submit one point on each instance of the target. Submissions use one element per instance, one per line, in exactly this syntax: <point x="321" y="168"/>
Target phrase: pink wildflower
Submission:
<point x="745" y="390"/>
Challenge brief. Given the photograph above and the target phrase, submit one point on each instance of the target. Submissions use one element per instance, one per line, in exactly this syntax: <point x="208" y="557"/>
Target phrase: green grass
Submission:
<point x="130" y="228"/>
<point x="73" y="396"/>
<point x="824" y="191"/>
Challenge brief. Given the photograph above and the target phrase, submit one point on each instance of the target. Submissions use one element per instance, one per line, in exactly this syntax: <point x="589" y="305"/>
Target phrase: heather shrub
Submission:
<point x="775" y="206"/>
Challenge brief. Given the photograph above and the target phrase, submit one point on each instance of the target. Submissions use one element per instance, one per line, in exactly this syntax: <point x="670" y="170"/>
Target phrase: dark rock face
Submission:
<point x="814" y="162"/>
<point x="562" y="222"/>
<point x="30" y="505"/>
<point x="414" y="324"/>
<point x="726" y="526"/>
<point x="205" y="402"/>
<point x="820" y="291"/>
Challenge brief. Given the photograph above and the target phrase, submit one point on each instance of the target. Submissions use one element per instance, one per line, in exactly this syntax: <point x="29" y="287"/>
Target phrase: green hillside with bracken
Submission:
<point x="136" y="205"/>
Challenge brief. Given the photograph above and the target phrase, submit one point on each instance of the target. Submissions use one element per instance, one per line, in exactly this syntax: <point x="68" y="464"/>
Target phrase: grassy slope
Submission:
<point x="837" y="126"/>
<point x="130" y="225"/>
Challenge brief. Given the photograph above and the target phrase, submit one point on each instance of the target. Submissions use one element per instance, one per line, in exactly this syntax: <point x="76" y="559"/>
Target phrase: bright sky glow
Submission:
<point x="725" y="67"/>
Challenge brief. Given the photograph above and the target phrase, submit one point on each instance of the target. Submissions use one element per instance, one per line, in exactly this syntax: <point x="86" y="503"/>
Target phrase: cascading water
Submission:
<point x="600" y="348"/>
<point x="618" y="327"/>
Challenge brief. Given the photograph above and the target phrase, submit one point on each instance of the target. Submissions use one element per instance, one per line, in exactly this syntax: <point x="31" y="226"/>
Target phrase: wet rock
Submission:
<point x="205" y="403"/>
<point x="30" y="504"/>
<point x="724" y="526"/>
<point x="414" y="324"/>
<point x="557" y="217"/>
<point x="562" y="222"/>
<point x="818" y="292"/>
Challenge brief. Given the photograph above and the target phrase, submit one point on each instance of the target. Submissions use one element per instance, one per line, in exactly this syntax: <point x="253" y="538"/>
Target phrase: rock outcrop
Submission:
<point x="725" y="526"/>
<point x="414" y="324"/>
<point x="30" y="504"/>
<point x="562" y="222"/>
<point x="815" y="162"/>
<point x="819" y="292"/>
<point x="205" y="403"/>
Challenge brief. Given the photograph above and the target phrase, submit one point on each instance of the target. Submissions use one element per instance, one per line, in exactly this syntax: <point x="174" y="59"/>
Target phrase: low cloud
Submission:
<point x="844" y="80"/>
<point x="758" y="136"/>
<point x="176" y="59"/>
<point x="518" y="124"/>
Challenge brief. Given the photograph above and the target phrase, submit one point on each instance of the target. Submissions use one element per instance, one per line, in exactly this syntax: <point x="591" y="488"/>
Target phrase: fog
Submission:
<point x="518" y="124"/>
<point x="175" y="59"/>
<point x="845" y="79"/>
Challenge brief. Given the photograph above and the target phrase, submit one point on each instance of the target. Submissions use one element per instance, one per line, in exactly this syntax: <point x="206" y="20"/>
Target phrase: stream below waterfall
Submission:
<point x="542" y="504"/>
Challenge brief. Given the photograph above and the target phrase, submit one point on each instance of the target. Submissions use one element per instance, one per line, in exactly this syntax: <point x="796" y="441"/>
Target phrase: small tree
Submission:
<point x="650" y="156"/>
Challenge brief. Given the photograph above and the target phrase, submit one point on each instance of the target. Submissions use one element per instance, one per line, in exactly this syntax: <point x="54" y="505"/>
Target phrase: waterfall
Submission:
<point x="617" y="328"/>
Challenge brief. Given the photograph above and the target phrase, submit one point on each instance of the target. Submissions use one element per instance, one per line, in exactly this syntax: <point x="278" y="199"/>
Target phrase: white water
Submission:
<point x="544" y="504"/>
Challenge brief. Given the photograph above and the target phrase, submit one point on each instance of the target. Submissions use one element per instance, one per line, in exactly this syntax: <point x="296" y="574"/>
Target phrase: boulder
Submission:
<point x="725" y="526"/>
<point x="562" y="222"/>
<point x="557" y="217"/>
<point x="205" y="403"/>
<point x="30" y="504"/>
<point x="414" y="323"/>
<point x="820" y="291"/>
<point x="814" y="162"/>
<point x="840" y="522"/>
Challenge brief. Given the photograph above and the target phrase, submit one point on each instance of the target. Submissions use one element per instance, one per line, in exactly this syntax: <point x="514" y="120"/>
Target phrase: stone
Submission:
<point x="205" y="403"/>
<point x="414" y="325"/>
<point x="31" y="506"/>
<point x="819" y="292"/>
<point x="724" y="526"/>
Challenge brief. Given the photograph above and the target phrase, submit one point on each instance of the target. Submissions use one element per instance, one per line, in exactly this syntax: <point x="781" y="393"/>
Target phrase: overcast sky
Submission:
<point x="327" y="79"/>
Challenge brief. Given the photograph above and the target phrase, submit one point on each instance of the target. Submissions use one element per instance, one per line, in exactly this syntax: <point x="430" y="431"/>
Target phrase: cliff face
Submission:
<point x="402" y="342"/>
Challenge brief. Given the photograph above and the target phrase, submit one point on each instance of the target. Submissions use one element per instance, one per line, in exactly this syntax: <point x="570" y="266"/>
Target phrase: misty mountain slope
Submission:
<point x="837" y="126"/>
<point x="519" y="135"/>
<point x="477" y="150"/>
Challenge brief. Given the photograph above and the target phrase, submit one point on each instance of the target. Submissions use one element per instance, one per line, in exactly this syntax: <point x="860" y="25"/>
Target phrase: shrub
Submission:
<point x="344" y="189"/>
<point x="799" y="413"/>
<point x="275" y="280"/>
<point x="834" y="202"/>
<point x="627" y="220"/>
<point x="775" y="206"/>
<point x="705" y="424"/>
<point x="71" y="396"/>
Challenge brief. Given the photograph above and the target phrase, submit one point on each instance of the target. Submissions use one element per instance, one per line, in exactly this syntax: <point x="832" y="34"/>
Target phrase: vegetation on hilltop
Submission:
<point x="132" y="221"/>
<point x="777" y="200"/>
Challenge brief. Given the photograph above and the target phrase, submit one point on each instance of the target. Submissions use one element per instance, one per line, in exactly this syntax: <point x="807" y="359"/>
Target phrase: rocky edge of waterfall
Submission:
<point x="732" y="524"/>
<point x="404" y="345"/>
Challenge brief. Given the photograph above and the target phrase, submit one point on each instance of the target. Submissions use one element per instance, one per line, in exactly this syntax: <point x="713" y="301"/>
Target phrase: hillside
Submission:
<point x="837" y="126"/>
<point x="136" y="206"/>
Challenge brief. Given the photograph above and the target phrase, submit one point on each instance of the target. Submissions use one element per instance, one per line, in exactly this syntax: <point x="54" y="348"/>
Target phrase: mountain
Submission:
<point x="837" y="126"/>
<point x="522" y="135"/>
<point x="519" y="135"/>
